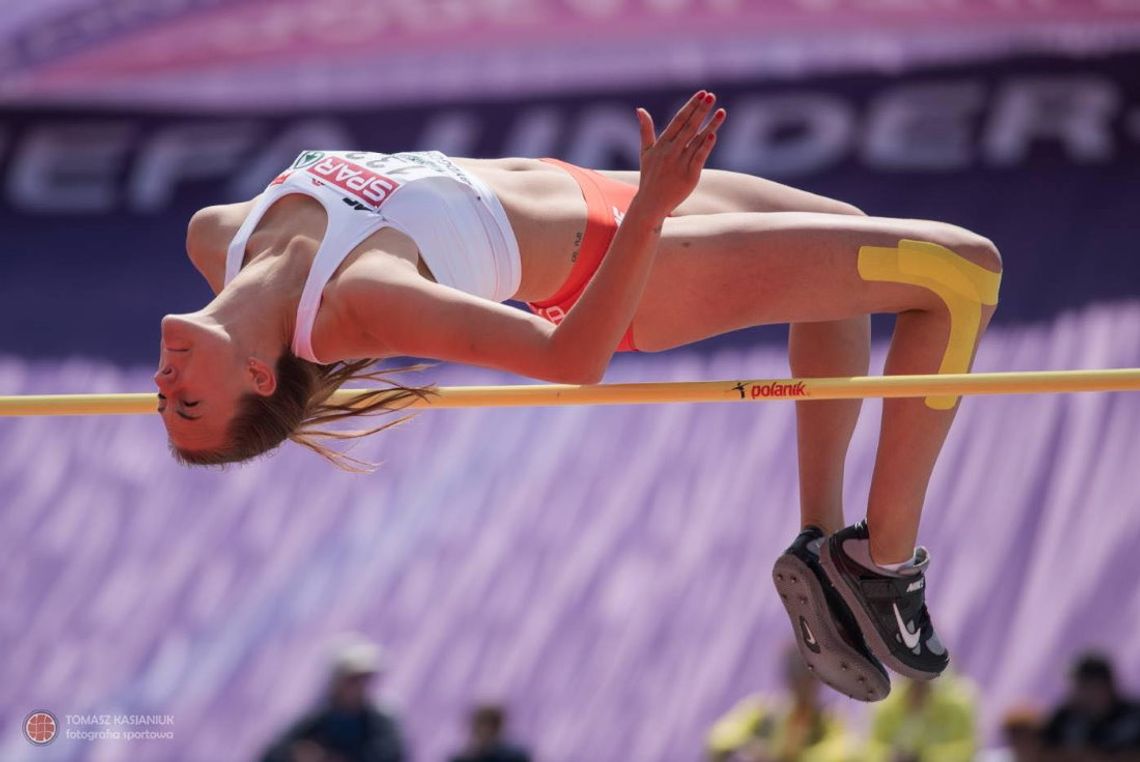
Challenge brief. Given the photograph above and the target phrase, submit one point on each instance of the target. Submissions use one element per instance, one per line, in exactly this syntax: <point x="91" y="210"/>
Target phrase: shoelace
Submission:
<point x="925" y="624"/>
<point x="921" y="614"/>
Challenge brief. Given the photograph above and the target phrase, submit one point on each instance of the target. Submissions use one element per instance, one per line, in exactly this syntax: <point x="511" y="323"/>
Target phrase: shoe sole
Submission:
<point x="820" y="643"/>
<point x="875" y="641"/>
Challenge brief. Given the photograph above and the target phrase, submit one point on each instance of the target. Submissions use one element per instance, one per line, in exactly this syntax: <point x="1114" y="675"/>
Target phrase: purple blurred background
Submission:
<point x="617" y="596"/>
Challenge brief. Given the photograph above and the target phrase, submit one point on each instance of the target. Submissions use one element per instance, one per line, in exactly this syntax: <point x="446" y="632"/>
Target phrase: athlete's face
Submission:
<point x="201" y="377"/>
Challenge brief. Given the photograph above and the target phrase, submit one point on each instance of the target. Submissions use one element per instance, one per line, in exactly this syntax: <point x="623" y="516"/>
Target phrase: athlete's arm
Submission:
<point x="670" y="168"/>
<point x="402" y="313"/>
<point x="405" y="314"/>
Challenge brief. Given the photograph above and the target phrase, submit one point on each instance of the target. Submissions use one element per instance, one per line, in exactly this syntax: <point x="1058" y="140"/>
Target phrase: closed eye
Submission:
<point x="179" y="413"/>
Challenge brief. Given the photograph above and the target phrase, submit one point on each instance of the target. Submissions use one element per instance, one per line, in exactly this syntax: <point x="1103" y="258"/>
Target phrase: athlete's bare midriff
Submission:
<point x="547" y="212"/>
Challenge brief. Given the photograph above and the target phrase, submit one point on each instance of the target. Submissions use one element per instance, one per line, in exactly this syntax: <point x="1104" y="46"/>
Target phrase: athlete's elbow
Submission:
<point x="579" y="374"/>
<point x="568" y="360"/>
<point x="567" y="367"/>
<point x="589" y="376"/>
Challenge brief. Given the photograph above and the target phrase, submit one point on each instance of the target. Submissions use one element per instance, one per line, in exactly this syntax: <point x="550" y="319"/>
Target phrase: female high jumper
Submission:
<point x="349" y="257"/>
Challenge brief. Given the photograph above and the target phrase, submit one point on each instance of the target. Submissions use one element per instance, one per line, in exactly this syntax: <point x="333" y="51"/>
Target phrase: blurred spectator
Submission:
<point x="347" y="726"/>
<point x="1021" y="730"/>
<point x="1095" y="722"/>
<point x="925" y="722"/>
<point x="798" y="729"/>
<point x="486" y="742"/>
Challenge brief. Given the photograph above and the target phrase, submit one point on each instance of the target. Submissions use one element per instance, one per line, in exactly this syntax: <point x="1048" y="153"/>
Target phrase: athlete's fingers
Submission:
<point x="695" y="120"/>
<point x="709" y="129"/>
<point x="681" y="120"/>
<point x="648" y="136"/>
<point x="682" y="116"/>
<point x="701" y="154"/>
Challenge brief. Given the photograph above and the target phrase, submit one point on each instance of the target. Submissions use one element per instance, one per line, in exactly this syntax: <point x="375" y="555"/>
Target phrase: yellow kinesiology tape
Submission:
<point x="961" y="284"/>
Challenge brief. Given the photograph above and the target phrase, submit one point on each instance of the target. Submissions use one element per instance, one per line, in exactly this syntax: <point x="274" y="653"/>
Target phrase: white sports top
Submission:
<point x="455" y="220"/>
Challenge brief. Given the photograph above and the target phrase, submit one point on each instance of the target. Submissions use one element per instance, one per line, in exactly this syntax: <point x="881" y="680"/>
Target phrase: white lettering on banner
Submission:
<point x="92" y="167"/>
<point x="252" y="174"/>
<point x="186" y="152"/>
<point x="69" y="168"/>
<point x="602" y="133"/>
<point x="453" y="132"/>
<point x="923" y="126"/>
<point x="1074" y="110"/>
<point x="786" y="135"/>
<point x="534" y="134"/>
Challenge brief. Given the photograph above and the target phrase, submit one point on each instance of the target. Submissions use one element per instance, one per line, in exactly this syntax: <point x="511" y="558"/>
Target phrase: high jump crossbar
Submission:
<point x="754" y="390"/>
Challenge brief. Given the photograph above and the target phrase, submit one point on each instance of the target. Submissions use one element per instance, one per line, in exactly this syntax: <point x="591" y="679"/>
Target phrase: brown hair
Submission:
<point x="299" y="410"/>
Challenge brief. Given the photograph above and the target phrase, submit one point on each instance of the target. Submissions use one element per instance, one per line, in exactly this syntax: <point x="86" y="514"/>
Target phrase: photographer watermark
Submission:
<point x="42" y="727"/>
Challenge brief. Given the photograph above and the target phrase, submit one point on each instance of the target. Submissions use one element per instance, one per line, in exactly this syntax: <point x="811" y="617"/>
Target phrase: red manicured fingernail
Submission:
<point x="701" y="95"/>
<point x="709" y="98"/>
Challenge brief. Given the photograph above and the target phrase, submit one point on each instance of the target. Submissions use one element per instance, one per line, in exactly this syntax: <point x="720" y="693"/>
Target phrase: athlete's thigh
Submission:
<point x="721" y="272"/>
<point x="720" y="191"/>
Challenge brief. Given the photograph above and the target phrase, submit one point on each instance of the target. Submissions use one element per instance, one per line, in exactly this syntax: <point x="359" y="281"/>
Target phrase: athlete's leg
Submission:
<point x="832" y="348"/>
<point x="817" y="349"/>
<point x="717" y="273"/>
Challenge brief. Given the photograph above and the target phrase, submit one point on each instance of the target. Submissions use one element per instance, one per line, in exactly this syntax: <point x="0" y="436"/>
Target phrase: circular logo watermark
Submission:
<point x="40" y="727"/>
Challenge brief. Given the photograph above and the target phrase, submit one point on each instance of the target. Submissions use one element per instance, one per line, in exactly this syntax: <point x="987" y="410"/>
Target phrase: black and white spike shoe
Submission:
<point x="826" y="634"/>
<point x="889" y="608"/>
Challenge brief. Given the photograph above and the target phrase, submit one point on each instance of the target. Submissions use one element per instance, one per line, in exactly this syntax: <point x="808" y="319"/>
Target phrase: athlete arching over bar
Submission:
<point x="361" y="255"/>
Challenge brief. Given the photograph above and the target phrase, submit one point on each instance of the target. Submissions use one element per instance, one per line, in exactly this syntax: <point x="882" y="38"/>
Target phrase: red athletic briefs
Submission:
<point x="606" y="203"/>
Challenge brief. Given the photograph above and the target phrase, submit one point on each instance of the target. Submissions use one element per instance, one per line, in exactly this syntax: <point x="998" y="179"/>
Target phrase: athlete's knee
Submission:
<point x="959" y="269"/>
<point x="966" y="244"/>
<point x="985" y="254"/>
<point x="982" y="252"/>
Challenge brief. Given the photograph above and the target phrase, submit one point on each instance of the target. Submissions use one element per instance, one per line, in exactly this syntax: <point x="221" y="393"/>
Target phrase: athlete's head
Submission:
<point x="224" y="400"/>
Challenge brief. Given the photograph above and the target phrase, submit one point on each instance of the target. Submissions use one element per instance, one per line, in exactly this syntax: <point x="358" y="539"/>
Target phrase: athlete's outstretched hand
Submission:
<point x="671" y="162"/>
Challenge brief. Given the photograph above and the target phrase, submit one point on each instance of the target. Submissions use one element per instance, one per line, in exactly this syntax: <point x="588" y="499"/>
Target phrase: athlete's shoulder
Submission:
<point x="208" y="235"/>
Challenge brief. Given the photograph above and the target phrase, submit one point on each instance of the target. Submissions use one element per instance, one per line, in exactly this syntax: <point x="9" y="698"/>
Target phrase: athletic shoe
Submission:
<point x="890" y="608"/>
<point x="826" y="634"/>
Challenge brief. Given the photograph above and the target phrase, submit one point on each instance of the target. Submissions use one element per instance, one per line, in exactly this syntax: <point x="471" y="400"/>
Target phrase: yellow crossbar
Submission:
<point x="756" y="390"/>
